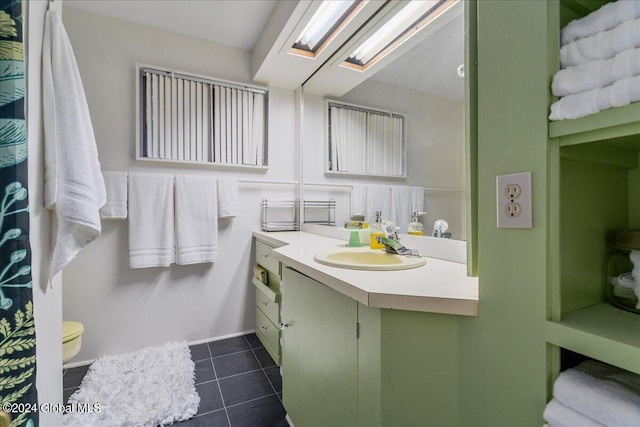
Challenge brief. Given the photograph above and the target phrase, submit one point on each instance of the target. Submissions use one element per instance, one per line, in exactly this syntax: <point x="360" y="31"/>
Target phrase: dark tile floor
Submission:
<point x="238" y="383"/>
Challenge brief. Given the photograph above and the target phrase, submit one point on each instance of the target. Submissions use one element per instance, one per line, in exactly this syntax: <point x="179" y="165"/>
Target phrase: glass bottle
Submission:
<point x="623" y="271"/>
<point x="376" y="230"/>
<point x="415" y="227"/>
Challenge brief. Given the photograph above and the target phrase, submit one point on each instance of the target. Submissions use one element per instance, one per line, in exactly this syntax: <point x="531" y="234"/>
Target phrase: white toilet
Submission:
<point x="71" y="339"/>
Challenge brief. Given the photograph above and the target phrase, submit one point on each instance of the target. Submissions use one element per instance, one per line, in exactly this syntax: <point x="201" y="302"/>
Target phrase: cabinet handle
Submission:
<point x="283" y="326"/>
<point x="264" y="303"/>
<point x="264" y="328"/>
<point x="265" y="256"/>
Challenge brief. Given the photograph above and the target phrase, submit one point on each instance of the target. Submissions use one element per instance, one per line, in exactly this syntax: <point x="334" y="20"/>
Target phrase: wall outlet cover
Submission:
<point x="514" y="200"/>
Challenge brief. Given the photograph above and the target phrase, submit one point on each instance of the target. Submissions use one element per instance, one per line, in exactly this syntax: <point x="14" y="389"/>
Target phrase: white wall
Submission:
<point x="124" y="309"/>
<point x="47" y="301"/>
<point x="435" y="149"/>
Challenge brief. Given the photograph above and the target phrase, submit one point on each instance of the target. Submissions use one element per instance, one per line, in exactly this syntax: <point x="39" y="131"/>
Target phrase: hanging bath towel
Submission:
<point x="196" y="219"/>
<point x="151" y="220"/>
<point x="74" y="185"/>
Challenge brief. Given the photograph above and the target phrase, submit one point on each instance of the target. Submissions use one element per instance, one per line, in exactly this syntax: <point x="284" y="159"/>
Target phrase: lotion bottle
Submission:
<point x="376" y="230"/>
<point x="415" y="227"/>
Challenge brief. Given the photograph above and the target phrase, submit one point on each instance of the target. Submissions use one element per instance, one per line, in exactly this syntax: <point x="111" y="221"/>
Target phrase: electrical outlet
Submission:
<point x="513" y="209"/>
<point x="513" y="191"/>
<point x="514" y="200"/>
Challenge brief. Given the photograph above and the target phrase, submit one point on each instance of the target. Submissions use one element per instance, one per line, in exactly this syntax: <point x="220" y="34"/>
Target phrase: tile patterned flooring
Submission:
<point x="238" y="383"/>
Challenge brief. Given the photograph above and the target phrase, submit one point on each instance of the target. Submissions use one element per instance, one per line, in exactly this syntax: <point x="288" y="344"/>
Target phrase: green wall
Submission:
<point x="503" y="357"/>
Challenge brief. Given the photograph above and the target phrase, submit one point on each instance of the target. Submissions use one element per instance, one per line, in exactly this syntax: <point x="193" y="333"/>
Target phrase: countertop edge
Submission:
<point x="438" y="305"/>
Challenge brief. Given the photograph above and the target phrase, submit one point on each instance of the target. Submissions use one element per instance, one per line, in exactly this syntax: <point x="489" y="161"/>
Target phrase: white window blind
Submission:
<point x="194" y="119"/>
<point x="365" y="141"/>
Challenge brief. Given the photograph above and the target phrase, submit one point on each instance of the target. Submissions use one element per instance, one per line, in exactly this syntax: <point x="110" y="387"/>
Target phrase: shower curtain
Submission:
<point x="18" y="395"/>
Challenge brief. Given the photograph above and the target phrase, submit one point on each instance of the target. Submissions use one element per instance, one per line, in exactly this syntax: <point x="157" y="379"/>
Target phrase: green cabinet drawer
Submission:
<point x="268" y="332"/>
<point x="267" y="301"/>
<point x="265" y="258"/>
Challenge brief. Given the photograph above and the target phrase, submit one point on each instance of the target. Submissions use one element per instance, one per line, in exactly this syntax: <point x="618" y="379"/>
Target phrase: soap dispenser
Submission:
<point x="376" y="230"/>
<point x="415" y="227"/>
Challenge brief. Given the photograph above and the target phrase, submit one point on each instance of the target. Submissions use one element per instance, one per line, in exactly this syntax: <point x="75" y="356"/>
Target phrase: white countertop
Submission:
<point x="437" y="287"/>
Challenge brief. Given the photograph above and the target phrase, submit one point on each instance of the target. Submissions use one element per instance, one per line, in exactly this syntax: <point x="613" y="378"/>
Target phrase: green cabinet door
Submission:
<point x="319" y="353"/>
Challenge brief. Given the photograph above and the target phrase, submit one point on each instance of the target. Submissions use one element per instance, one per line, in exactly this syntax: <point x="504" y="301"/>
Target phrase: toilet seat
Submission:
<point x="71" y="330"/>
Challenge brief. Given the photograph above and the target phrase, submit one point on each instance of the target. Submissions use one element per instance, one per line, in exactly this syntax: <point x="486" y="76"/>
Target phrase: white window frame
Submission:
<point x="328" y="143"/>
<point x="141" y="69"/>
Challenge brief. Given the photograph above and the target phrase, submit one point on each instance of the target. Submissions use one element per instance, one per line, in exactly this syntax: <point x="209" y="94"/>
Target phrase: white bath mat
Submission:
<point x="150" y="387"/>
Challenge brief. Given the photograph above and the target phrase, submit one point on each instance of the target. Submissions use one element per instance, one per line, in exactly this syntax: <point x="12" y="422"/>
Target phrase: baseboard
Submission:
<point x="288" y="419"/>
<point x="190" y="343"/>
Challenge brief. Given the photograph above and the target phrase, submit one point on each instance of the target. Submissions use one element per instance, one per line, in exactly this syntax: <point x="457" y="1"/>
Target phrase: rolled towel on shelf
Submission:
<point x="596" y="74"/>
<point x="606" y="394"/>
<point x="607" y="17"/>
<point x="601" y="45"/>
<point x="625" y="91"/>
<point x="620" y="93"/>
<point x="116" y="185"/>
<point x="559" y="415"/>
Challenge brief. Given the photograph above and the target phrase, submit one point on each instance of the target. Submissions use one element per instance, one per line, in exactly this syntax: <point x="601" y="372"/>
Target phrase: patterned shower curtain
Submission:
<point x="18" y="396"/>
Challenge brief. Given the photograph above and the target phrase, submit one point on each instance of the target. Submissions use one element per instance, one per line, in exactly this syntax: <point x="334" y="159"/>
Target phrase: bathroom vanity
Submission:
<point x="368" y="348"/>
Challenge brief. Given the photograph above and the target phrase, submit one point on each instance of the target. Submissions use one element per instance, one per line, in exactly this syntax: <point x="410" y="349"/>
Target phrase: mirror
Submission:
<point x="426" y="85"/>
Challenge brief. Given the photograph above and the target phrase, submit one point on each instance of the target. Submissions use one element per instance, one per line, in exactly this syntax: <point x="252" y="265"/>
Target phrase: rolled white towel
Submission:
<point x="596" y="74"/>
<point x="559" y="415"/>
<point x="603" y="393"/>
<point x="601" y="45"/>
<point x="580" y="105"/>
<point x="607" y="17"/>
<point x="622" y="92"/>
<point x="625" y="91"/>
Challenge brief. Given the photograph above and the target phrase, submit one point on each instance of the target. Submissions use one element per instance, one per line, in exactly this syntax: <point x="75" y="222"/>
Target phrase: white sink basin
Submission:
<point x="366" y="259"/>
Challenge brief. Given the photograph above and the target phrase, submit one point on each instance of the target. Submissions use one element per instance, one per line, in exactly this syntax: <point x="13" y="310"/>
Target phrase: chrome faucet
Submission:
<point x="394" y="247"/>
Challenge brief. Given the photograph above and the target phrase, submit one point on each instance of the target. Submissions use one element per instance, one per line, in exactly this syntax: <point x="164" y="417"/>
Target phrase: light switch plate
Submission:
<point x="514" y="200"/>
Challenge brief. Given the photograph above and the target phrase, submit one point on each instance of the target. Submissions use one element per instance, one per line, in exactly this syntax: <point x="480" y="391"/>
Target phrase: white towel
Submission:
<point x="151" y="220"/>
<point x="622" y="92"/>
<point x="559" y="415"/>
<point x="601" y="392"/>
<point x="601" y="45"/>
<point x="74" y="186"/>
<point x="196" y="219"/>
<point x="401" y="199"/>
<point x="359" y="200"/>
<point x="417" y="199"/>
<point x="379" y="199"/>
<point x="607" y="17"/>
<point x="227" y="198"/>
<point x="596" y="74"/>
<point x="116" y="205"/>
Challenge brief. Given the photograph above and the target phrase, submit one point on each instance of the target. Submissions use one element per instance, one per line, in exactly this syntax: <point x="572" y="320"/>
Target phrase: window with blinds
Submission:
<point x="365" y="141"/>
<point x="185" y="118"/>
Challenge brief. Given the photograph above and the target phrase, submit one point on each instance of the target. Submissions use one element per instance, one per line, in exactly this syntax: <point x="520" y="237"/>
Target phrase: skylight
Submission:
<point x="325" y="25"/>
<point x="407" y="22"/>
